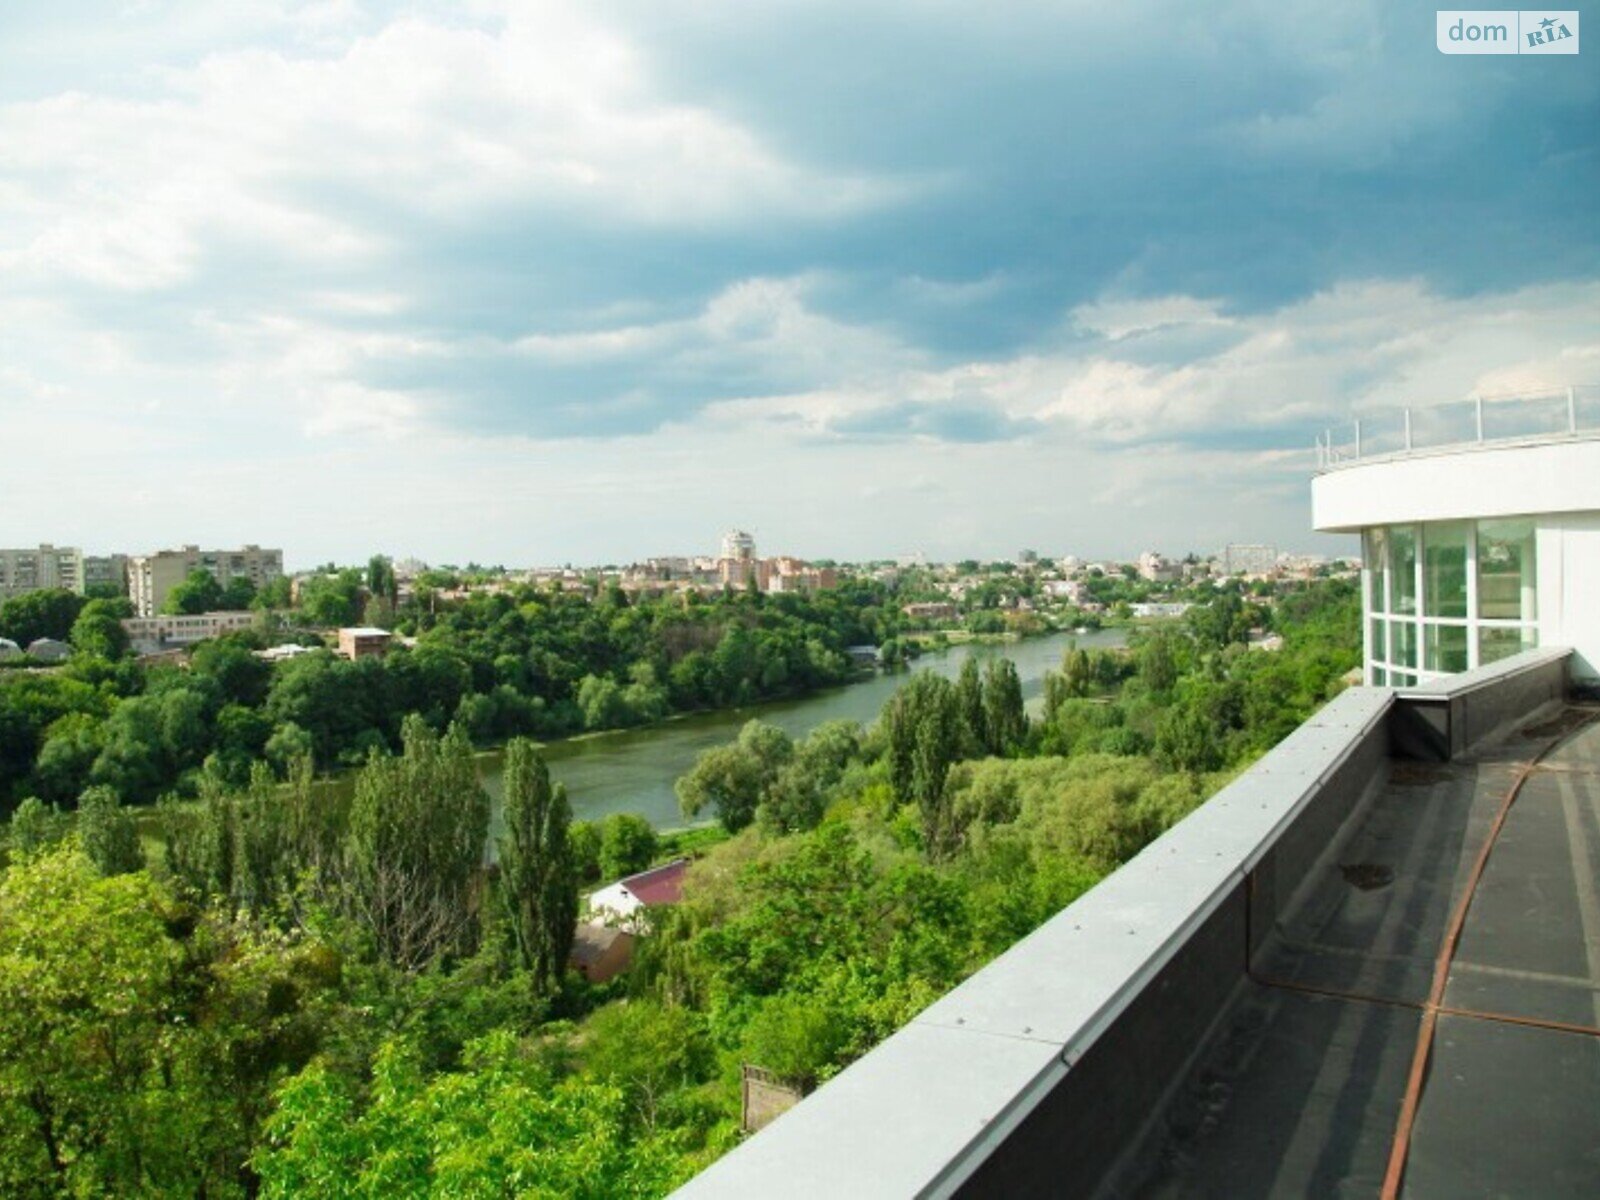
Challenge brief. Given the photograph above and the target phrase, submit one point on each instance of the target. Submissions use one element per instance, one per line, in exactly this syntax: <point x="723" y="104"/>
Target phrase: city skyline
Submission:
<point x="557" y="284"/>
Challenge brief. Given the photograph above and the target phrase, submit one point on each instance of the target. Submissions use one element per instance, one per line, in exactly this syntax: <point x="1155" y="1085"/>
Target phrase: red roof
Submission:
<point x="658" y="885"/>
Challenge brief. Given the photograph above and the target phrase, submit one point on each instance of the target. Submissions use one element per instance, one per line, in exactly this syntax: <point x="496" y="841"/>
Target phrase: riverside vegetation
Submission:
<point x="297" y="995"/>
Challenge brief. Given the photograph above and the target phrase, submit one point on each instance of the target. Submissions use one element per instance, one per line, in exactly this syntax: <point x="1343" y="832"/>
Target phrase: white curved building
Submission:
<point x="1480" y="532"/>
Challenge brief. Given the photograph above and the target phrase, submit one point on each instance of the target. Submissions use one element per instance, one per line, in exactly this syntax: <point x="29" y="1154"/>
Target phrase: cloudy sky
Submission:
<point x="548" y="282"/>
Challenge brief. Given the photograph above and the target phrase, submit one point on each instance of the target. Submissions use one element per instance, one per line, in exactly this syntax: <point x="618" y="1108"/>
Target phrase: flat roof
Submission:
<point x="1301" y="1092"/>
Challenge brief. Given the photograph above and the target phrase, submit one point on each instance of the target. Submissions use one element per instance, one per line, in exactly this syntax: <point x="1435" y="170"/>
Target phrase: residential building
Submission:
<point x="1249" y="559"/>
<point x="736" y="543"/>
<point x="1159" y="610"/>
<point x="742" y="572"/>
<point x="1157" y="569"/>
<point x="364" y="641"/>
<point x="1074" y="591"/>
<point x="151" y="577"/>
<point x="624" y="903"/>
<point x="44" y="566"/>
<point x="151" y="635"/>
<point x="106" y="571"/>
<point x="931" y="610"/>
<point x="1473" y="551"/>
<point x="795" y="575"/>
<point x="600" y="952"/>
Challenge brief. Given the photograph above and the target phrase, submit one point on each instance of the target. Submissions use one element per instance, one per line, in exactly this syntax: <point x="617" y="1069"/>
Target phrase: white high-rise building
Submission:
<point x="736" y="543"/>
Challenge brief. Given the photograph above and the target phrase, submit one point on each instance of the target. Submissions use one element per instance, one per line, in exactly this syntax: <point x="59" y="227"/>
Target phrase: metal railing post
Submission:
<point x="1572" y="409"/>
<point x="1408" y="429"/>
<point x="1358" y="437"/>
<point x="1478" y="403"/>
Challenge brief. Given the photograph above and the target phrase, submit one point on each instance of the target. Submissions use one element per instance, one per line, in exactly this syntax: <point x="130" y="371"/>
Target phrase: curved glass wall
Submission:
<point x="1447" y="596"/>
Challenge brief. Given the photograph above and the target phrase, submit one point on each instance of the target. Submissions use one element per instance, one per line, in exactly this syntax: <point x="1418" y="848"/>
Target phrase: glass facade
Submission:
<point x="1448" y="596"/>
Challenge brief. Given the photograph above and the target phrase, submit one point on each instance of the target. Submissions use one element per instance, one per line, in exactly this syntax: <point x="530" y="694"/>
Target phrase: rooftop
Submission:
<point x="658" y="885"/>
<point x="1370" y="965"/>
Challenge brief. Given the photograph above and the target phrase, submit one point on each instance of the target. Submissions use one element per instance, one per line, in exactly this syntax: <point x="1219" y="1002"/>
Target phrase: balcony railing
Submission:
<point x="1380" y="433"/>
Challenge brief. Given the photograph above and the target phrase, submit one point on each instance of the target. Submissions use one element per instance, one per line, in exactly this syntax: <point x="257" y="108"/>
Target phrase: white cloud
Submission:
<point x="550" y="108"/>
<point x="1358" y="345"/>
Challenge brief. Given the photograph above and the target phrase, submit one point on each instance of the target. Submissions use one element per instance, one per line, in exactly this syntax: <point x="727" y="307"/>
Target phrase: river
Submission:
<point x="633" y="770"/>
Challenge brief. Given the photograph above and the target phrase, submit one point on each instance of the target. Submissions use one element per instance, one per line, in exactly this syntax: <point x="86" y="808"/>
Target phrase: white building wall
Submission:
<point x="1569" y="574"/>
<point x="1556" y="482"/>
<point x="1496" y="480"/>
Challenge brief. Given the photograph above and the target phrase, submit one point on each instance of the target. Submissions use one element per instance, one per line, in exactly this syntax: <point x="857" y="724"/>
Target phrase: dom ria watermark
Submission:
<point x="1506" y="31"/>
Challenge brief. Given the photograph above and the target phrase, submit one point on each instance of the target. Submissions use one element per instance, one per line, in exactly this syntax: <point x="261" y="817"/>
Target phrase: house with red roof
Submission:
<point x="623" y="902"/>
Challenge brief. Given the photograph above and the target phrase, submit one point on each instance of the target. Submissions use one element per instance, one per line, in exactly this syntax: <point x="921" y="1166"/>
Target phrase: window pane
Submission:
<point x="1403" y="569"/>
<point x="1379" y="677"/>
<point x="1402" y="679"/>
<point x="1403" y="643"/>
<point x="1445" y="648"/>
<point x="1444" y="570"/>
<point x="1376" y="547"/>
<point x="1380" y="649"/>
<point x="1495" y="644"/>
<point x="1506" y="588"/>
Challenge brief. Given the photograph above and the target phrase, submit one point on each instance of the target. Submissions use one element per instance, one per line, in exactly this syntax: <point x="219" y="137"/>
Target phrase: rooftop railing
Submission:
<point x="1381" y="433"/>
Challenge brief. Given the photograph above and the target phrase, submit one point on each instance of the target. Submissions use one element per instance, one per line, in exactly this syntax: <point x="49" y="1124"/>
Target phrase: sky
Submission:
<point x="542" y="282"/>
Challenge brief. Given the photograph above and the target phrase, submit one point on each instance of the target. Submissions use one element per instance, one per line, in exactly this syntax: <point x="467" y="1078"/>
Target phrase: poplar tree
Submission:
<point x="414" y="854"/>
<point x="1005" y="721"/>
<point x="969" y="698"/>
<point x="538" y="871"/>
<point x="108" y="834"/>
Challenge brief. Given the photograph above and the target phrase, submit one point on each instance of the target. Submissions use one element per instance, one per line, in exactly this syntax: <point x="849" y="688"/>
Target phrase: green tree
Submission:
<point x="628" y="844"/>
<point x="1005" y="720"/>
<point x="538" y="877"/>
<point x="138" y="1047"/>
<point x="46" y="613"/>
<point x="108" y="834"/>
<point x="98" y="632"/>
<point x="273" y="594"/>
<point x="418" y="825"/>
<point x="584" y="838"/>
<point x="734" y="779"/>
<point x="35" y="827"/>
<point x="926" y="735"/>
<point x="502" y="1125"/>
<point x="332" y="600"/>
<point x="238" y="595"/>
<point x="199" y="593"/>
<point x="969" y="699"/>
<point x="602" y="704"/>
<point x="67" y="755"/>
<point x="86" y="971"/>
<point x="648" y="1049"/>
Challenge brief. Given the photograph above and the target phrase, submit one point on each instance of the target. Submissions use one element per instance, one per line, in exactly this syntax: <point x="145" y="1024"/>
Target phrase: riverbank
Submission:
<point x="635" y="769"/>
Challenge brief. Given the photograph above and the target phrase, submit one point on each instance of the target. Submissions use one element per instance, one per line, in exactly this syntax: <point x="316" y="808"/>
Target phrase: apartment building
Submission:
<point x="44" y="566"/>
<point x="151" y="577"/>
<point x="1249" y="560"/>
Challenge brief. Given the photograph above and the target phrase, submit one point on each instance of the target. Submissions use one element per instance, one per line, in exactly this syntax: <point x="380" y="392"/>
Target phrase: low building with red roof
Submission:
<point x="622" y="902"/>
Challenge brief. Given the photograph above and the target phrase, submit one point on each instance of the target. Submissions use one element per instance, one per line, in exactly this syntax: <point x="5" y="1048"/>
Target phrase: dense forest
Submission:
<point x="523" y="662"/>
<point x="292" y="996"/>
